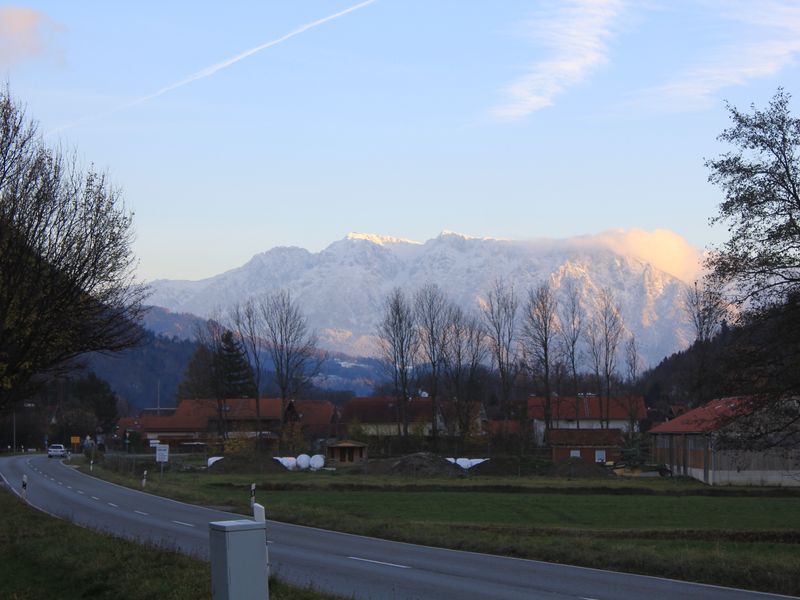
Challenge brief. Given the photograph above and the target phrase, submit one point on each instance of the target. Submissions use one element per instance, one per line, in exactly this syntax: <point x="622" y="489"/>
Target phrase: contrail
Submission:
<point x="209" y="71"/>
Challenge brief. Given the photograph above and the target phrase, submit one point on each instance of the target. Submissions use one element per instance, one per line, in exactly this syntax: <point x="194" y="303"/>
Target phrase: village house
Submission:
<point x="379" y="416"/>
<point x="622" y="413"/>
<point x="196" y="421"/>
<point x="589" y="445"/>
<point x="690" y="445"/>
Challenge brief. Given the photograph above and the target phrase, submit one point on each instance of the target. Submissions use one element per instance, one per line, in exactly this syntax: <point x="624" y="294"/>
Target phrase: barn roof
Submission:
<point x="707" y="418"/>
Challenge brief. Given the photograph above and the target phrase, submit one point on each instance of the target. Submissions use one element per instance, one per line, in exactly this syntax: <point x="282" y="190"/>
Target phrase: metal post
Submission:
<point x="24" y="487"/>
<point x="252" y="495"/>
<point x="144" y="479"/>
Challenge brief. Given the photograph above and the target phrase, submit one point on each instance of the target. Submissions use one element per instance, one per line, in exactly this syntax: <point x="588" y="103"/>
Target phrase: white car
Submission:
<point x="56" y="450"/>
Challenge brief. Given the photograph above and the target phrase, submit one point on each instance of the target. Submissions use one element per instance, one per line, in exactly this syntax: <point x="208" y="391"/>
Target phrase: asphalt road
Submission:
<point x="349" y="565"/>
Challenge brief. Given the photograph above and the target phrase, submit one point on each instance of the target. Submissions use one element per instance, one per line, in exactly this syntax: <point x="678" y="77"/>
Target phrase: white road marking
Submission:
<point x="59" y="483"/>
<point x="69" y="487"/>
<point x="378" y="562"/>
<point x="112" y="504"/>
<point x="95" y="498"/>
<point x="142" y="513"/>
<point x="80" y="491"/>
<point x="182" y="523"/>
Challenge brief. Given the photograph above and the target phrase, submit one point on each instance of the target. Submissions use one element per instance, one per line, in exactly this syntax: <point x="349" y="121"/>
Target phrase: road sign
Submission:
<point x="162" y="453"/>
<point x="74" y="439"/>
<point x="154" y="443"/>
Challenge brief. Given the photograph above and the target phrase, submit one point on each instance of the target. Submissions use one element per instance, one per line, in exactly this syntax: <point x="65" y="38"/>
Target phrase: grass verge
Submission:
<point x="42" y="558"/>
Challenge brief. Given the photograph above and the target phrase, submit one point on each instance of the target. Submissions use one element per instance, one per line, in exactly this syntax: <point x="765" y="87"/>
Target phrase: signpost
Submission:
<point x="162" y="456"/>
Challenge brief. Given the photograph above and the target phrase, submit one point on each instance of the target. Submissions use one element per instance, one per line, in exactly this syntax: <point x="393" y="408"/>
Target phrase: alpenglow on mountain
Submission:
<point x="342" y="288"/>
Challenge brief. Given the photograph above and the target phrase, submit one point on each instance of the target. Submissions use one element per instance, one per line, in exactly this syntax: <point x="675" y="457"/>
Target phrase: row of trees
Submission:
<point x="428" y="341"/>
<point x="234" y="354"/>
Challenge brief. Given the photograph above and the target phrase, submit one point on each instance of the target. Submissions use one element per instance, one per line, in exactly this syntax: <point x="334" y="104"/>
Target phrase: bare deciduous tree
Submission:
<point x="603" y="335"/>
<point x="706" y="308"/>
<point x="399" y="342"/>
<point x="570" y="329"/>
<point x="611" y="328"/>
<point x="247" y="319"/>
<point x="465" y="353"/>
<point x="500" y="315"/>
<point x="539" y="331"/>
<point x="66" y="265"/>
<point x="632" y="365"/>
<point x="290" y="344"/>
<point x="431" y="312"/>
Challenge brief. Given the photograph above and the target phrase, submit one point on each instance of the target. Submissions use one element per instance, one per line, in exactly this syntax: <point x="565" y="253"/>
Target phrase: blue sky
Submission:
<point x="401" y="117"/>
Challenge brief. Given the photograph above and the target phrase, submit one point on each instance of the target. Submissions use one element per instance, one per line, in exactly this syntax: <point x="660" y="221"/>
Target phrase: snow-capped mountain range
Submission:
<point x="342" y="288"/>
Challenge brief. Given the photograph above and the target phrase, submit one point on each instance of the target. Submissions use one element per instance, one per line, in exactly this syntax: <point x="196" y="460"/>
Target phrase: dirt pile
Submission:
<point x="420" y="464"/>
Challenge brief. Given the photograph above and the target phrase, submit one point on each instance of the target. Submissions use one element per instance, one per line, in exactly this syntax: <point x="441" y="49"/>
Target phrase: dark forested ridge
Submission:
<point x="148" y="374"/>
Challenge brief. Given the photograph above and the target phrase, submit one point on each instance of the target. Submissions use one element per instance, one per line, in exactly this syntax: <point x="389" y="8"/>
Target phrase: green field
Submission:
<point x="44" y="558"/>
<point x="743" y="537"/>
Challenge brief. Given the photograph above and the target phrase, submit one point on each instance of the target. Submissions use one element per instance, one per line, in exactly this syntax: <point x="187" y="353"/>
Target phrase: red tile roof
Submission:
<point x="576" y="438"/>
<point x="564" y="407"/>
<point x="709" y="417"/>
<point x="317" y="417"/>
<point x="315" y="412"/>
<point x="195" y="414"/>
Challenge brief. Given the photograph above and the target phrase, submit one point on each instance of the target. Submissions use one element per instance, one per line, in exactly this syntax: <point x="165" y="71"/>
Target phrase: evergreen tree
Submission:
<point x="198" y="378"/>
<point x="220" y="372"/>
<point x="234" y="375"/>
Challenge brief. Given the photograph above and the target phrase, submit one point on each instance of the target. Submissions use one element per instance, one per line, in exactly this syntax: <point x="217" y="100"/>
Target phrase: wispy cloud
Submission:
<point x="211" y="70"/>
<point x="24" y="34"/>
<point x="577" y="34"/>
<point x="772" y="44"/>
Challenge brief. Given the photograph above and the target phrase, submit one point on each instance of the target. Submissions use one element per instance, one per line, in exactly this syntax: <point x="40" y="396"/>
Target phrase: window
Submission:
<point x="600" y="456"/>
<point x="574" y="453"/>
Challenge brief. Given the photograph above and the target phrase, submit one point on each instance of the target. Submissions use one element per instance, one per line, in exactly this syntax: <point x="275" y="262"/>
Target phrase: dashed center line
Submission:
<point x="80" y="491"/>
<point x="379" y="562"/>
<point x="182" y="523"/>
<point x="95" y="498"/>
<point x="139" y="512"/>
<point x="112" y="504"/>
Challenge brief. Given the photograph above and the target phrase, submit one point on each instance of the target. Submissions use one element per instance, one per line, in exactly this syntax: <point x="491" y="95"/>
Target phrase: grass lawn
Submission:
<point x="742" y="537"/>
<point x="44" y="558"/>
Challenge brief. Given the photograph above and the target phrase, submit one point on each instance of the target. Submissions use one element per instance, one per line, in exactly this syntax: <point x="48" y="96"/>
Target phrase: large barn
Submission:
<point x="690" y="445"/>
